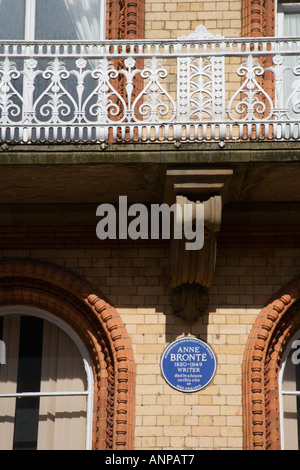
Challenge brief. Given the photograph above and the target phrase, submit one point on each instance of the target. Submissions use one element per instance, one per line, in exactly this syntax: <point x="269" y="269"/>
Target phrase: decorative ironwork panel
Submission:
<point x="200" y="87"/>
<point x="196" y="88"/>
<point x="250" y="102"/>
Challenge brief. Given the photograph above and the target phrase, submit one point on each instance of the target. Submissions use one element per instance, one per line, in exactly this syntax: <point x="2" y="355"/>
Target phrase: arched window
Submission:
<point x="46" y="383"/>
<point x="289" y="395"/>
<point x="271" y="373"/>
<point x="78" y="306"/>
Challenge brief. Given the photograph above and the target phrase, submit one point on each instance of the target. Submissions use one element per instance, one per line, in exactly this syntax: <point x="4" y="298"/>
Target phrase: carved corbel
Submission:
<point x="192" y="271"/>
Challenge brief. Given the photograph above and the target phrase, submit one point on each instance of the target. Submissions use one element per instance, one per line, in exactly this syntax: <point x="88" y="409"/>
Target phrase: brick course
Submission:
<point x="177" y="18"/>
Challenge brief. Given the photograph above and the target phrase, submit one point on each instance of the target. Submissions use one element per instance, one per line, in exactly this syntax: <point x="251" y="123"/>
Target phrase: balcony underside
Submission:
<point x="82" y="124"/>
<point x="48" y="185"/>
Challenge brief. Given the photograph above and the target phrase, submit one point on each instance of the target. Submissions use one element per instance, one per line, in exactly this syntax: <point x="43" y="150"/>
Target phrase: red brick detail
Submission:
<point x="258" y="18"/>
<point x="83" y="307"/>
<point x="125" y="19"/>
<point x="274" y="327"/>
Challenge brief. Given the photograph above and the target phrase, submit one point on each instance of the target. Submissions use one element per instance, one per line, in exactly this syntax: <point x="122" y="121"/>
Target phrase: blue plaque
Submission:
<point x="188" y="364"/>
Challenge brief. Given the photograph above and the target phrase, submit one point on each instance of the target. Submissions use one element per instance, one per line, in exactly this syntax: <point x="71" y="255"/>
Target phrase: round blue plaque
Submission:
<point x="188" y="364"/>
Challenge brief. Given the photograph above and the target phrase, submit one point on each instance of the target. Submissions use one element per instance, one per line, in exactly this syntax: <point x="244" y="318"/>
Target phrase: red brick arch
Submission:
<point x="273" y="329"/>
<point x="82" y="306"/>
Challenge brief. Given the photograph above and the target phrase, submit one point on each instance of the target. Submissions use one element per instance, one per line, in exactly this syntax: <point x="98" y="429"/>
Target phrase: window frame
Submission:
<point x="89" y="392"/>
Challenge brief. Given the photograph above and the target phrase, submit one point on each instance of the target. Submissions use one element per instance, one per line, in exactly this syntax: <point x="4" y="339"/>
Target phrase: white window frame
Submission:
<point x="29" y="30"/>
<point x="89" y="392"/>
<point x="283" y="392"/>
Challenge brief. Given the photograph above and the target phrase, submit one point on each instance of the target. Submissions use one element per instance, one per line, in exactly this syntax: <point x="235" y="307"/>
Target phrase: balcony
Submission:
<point x="193" y="89"/>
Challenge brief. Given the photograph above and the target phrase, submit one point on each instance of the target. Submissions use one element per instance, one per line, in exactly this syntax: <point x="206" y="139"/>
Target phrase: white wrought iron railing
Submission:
<point x="198" y="88"/>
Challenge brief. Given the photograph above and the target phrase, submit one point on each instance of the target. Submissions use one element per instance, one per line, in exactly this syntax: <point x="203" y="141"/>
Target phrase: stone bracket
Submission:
<point x="192" y="271"/>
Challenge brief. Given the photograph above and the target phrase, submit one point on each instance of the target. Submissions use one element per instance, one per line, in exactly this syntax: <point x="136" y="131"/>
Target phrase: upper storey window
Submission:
<point x="288" y="24"/>
<point x="52" y="20"/>
<point x="288" y="18"/>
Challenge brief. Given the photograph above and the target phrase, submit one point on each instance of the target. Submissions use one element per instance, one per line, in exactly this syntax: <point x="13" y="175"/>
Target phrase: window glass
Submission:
<point x="67" y="19"/>
<point x="52" y="19"/>
<point x="291" y="24"/>
<point x="12" y="19"/>
<point x="88" y="17"/>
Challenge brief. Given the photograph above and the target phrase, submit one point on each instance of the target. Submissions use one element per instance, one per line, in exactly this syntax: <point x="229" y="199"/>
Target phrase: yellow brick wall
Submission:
<point x="170" y="19"/>
<point x="136" y="281"/>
